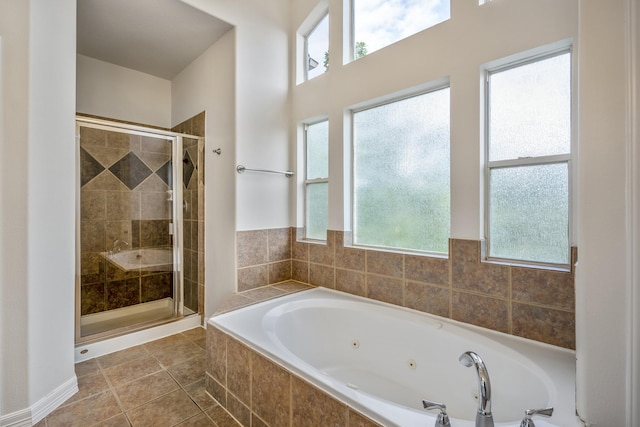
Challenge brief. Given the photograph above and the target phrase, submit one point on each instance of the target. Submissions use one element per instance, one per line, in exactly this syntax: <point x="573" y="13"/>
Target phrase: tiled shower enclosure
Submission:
<point x="129" y="226"/>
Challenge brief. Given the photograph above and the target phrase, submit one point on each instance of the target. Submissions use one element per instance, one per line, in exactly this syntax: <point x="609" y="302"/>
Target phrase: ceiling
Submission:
<point x="157" y="37"/>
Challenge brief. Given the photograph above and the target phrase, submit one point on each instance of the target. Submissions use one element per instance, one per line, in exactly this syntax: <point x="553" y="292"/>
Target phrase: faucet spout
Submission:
<point x="117" y="245"/>
<point x="484" y="418"/>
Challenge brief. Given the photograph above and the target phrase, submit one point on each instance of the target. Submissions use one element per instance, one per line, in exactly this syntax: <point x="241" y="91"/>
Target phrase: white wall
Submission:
<point x="455" y="49"/>
<point x="604" y="288"/>
<point x="51" y="199"/>
<point x="109" y="90"/>
<point x="37" y="206"/>
<point x="208" y="84"/>
<point x="261" y="109"/>
<point x="14" y="72"/>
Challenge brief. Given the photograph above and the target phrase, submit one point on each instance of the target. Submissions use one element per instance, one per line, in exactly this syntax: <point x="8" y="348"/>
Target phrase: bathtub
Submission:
<point x="147" y="259"/>
<point x="382" y="360"/>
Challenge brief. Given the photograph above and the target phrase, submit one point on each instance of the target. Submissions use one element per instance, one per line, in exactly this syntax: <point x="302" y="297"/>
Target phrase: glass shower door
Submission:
<point x="128" y="239"/>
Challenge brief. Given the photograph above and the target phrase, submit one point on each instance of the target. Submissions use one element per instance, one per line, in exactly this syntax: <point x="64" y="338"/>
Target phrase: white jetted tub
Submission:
<point x="383" y="360"/>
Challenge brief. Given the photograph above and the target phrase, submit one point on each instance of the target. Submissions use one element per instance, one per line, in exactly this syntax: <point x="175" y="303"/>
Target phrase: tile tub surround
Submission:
<point x="530" y="302"/>
<point x="258" y="392"/>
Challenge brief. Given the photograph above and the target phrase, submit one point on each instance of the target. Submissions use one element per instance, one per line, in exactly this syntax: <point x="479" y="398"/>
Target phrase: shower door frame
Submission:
<point x="177" y="223"/>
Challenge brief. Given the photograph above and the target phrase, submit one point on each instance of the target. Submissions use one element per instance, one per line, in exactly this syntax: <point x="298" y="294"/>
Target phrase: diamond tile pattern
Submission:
<point x="89" y="167"/>
<point x="165" y="174"/>
<point x="130" y="170"/>
<point x="188" y="169"/>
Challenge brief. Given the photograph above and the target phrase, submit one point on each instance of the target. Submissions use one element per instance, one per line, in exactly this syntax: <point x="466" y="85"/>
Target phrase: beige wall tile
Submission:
<point x="312" y="407"/>
<point x="239" y="370"/>
<point x="464" y="252"/>
<point x="279" y="271"/>
<point x="253" y="277"/>
<point x="252" y="247"/>
<point x="321" y="275"/>
<point x="119" y="206"/>
<point x="544" y="287"/>
<point x="480" y="310"/>
<point x="321" y="254"/>
<point x="93" y="206"/>
<point x="300" y="271"/>
<point x="427" y="269"/>
<point x="351" y="281"/>
<point x="544" y="324"/>
<point x="92" y="137"/>
<point x="217" y="354"/>
<point x="385" y="263"/>
<point x="346" y="257"/>
<point x="300" y="250"/>
<point x="155" y="145"/>
<point x="279" y="244"/>
<point x="427" y="298"/>
<point x="490" y="279"/>
<point x="270" y="391"/>
<point x="383" y="288"/>
<point x="92" y="236"/>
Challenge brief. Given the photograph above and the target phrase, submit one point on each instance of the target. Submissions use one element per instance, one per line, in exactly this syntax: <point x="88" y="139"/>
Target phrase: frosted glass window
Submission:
<point x="401" y="195"/>
<point x="379" y="23"/>
<point x="317" y="210"/>
<point x="529" y="155"/>
<point x="529" y="213"/>
<point x="316" y="56"/>
<point x="317" y="180"/>
<point x="530" y="110"/>
<point x="318" y="150"/>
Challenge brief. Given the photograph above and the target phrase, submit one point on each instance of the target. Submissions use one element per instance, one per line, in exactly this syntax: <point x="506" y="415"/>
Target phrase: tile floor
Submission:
<point x="160" y="383"/>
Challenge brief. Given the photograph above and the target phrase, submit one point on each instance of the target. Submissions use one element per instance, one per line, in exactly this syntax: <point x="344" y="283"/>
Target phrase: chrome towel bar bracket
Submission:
<point x="241" y="169"/>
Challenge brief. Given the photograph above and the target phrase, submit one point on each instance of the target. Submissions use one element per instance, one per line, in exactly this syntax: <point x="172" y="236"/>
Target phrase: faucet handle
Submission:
<point x="443" y="418"/>
<point x="528" y="422"/>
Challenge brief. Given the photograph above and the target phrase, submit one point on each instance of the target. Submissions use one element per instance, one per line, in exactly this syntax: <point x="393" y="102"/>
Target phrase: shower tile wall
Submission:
<point x="193" y="212"/>
<point x="529" y="302"/>
<point x="124" y="182"/>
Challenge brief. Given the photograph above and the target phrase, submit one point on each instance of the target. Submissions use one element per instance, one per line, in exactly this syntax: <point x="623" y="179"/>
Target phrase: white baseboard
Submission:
<point x="42" y="408"/>
<point x="17" y="419"/>
<point x="29" y="416"/>
<point x="57" y="397"/>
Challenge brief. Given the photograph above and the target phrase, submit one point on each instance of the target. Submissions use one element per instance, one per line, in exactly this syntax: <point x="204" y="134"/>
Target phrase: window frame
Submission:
<point x="306" y="182"/>
<point x="305" y="56"/>
<point x="433" y="86"/>
<point x="350" y="48"/>
<point x="566" y="158"/>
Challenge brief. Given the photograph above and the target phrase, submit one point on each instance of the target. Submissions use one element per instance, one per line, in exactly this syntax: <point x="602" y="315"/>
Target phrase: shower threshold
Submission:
<point x="127" y="318"/>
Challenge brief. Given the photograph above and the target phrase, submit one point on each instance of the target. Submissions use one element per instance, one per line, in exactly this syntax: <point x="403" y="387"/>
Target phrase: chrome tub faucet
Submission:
<point x="117" y="246"/>
<point x="484" y="418"/>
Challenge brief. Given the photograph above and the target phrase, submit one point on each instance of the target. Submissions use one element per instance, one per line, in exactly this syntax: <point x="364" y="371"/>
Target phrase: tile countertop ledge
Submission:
<point x="263" y="293"/>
